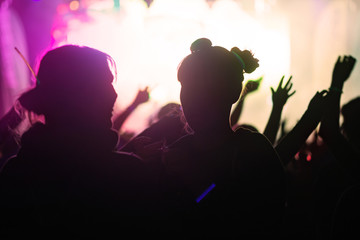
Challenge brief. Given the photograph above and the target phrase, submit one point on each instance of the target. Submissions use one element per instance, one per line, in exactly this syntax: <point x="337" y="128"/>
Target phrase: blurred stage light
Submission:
<point x="148" y="43"/>
<point x="74" y="5"/>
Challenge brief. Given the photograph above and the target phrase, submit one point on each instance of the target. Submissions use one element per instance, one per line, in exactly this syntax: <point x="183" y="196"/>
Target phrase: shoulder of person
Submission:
<point x="163" y="127"/>
<point x="256" y="147"/>
<point x="182" y="142"/>
<point x="250" y="137"/>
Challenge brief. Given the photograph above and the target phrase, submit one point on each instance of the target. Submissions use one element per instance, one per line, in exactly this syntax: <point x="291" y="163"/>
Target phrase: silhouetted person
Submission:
<point x="66" y="178"/>
<point x="350" y="126"/>
<point x="347" y="212"/>
<point x="169" y="127"/>
<point x="222" y="183"/>
<point x="344" y="144"/>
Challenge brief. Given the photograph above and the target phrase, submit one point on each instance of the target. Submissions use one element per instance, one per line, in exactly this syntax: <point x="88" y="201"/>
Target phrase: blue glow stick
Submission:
<point x="199" y="198"/>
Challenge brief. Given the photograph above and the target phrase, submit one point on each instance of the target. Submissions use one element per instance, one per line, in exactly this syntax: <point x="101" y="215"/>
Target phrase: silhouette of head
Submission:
<point x="74" y="86"/>
<point x="211" y="80"/>
<point x="351" y="119"/>
<point x="169" y="109"/>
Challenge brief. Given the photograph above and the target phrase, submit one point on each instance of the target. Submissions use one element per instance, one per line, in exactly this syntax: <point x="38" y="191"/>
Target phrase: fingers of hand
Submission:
<point x="347" y="60"/>
<point x="288" y="82"/>
<point x="289" y="95"/>
<point x="323" y="93"/>
<point x="351" y="61"/>
<point x="260" y="79"/>
<point x="281" y="82"/>
<point x="288" y="87"/>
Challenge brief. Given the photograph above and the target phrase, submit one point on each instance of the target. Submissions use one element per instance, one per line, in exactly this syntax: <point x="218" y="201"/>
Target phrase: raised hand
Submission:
<point x="329" y="128"/>
<point x="142" y="96"/>
<point x="250" y="86"/>
<point x="316" y="106"/>
<point x="316" y="103"/>
<point x="342" y="70"/>
<point x="282" y="94"/>
<point x="253" y="85"/>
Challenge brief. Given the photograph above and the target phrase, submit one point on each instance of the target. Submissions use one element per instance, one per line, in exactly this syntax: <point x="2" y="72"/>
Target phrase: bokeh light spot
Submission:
<point x="74" y="5"/>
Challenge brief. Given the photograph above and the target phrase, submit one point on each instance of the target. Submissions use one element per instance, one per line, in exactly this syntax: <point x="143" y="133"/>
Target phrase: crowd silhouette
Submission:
<point x="196" y="172"/>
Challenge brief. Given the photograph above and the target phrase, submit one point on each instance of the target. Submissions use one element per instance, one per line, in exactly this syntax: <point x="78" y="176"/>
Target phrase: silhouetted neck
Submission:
<point x="212" y="138"/>
<point x="94" y="139"/>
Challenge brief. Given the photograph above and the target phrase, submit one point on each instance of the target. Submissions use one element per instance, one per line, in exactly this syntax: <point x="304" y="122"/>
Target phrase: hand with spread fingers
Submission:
<point x="282" y="94"/>
<point x="279" y="98"/>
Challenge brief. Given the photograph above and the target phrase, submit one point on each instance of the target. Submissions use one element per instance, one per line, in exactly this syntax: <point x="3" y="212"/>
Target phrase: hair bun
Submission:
<point x="200" y="44"/>
<point x="250" y="62"/>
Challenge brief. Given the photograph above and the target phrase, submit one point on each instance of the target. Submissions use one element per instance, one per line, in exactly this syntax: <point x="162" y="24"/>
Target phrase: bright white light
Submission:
<point x="149" y="43"/>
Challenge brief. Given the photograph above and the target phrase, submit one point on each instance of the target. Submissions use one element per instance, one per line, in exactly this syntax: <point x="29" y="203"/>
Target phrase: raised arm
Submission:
<point x="329" y="128"/>
<point x="292" y="141"/>
<point x="279" y="98"/>
<point x="141" y="97"/>
<point x="250" y="86"/>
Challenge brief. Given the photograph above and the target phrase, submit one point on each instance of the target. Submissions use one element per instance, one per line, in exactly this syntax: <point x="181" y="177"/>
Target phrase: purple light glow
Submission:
<point x="148" y="42"/>
<point x="161" y="35"/>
